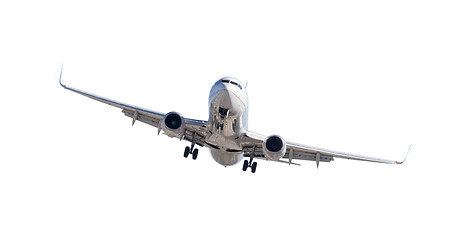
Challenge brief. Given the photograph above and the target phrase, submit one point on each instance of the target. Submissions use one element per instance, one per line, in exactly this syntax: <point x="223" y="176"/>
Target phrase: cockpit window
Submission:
<point x="238" y="85"/>
<point x="231" y="82"/>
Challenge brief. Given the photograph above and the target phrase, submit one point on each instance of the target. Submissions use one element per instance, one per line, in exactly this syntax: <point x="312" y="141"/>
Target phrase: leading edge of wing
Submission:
<point x="107" y="100"/>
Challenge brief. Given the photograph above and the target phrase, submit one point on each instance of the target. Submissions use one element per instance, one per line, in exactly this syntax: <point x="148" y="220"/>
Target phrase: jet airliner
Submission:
<point x="226" y="132"/>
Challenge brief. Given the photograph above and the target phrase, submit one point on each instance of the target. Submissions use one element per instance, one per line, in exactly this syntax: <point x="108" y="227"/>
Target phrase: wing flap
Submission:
<point x="145" y="118"/>
<point x="299" y="154"/>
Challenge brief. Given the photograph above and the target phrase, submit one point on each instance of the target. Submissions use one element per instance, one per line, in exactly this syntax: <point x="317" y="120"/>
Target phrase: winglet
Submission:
<point x="60" y="76"/>
<point x="405" y="156"/>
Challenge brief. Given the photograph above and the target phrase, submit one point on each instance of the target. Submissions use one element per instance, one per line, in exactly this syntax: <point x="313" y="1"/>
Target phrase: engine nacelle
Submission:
<point x="173" y="124"/>
<point x="274" y="147"/>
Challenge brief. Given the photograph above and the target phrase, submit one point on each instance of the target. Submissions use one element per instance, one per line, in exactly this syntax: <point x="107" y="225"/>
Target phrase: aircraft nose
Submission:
<point x="227" y="101"/>
<point x="223" y="99"/>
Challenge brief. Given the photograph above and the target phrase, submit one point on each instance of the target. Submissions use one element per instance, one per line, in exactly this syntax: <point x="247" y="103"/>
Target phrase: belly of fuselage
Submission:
<point x="226" y="158"/>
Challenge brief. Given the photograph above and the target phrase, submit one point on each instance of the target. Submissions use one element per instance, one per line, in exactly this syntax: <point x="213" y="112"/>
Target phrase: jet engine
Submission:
<point x="173" y="124"/>
<point x="274" y="147"/>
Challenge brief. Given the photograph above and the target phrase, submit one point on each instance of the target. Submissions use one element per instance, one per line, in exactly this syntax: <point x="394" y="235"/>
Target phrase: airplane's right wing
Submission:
<point x="195" y="130"/>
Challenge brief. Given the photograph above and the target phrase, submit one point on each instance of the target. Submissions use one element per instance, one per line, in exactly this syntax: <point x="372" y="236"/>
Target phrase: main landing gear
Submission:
<point x="191" y="150"/>
<point x="250" y="164"/>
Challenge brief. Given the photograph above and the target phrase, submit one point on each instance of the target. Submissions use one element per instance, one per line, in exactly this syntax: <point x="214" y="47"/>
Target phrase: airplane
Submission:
<point x="226" y="132"/>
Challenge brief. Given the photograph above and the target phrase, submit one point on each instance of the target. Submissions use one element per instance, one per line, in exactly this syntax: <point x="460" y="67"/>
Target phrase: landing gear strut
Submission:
<point x="191" y="150"/>
<point x="250" y="164"/>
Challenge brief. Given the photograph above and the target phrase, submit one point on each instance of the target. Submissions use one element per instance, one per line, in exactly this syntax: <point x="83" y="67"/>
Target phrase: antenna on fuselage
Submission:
<point x="246" y="84"/>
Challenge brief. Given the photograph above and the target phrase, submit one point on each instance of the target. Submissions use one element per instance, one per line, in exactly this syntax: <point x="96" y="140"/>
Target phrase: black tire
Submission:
<point x="186" y="152"/>
<point x="245" y="165"/>
<point x="253" y="167"/>
<point x="195" y="154"/>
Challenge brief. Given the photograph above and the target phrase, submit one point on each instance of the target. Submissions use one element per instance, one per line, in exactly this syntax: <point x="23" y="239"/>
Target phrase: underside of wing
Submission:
<point x="260" y="146"/>
<point x="172" y="124"/>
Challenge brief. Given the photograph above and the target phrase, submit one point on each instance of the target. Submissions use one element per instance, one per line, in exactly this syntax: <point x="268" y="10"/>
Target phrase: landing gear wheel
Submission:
<point x="195" y="154"/>
<point x="186" y="152"/>
<point x="253" y="167"/>
<point x="245" y="165"/>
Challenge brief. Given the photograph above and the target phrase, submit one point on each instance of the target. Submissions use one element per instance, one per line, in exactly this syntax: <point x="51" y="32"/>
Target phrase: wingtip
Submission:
<point x="405" y="156"/>
<point x="60" y="77"/>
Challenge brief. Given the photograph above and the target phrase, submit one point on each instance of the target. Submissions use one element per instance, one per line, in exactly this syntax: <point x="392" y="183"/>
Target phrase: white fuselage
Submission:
<point x="228" y="120"/>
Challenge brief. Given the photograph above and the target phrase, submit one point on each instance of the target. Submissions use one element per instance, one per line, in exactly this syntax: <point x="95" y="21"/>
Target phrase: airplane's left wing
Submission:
<point x="195" y="130"/>
<point x="253" y="146"/>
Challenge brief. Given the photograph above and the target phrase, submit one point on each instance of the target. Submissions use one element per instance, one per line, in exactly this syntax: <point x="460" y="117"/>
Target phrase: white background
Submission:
<point x="367" y="77"/>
